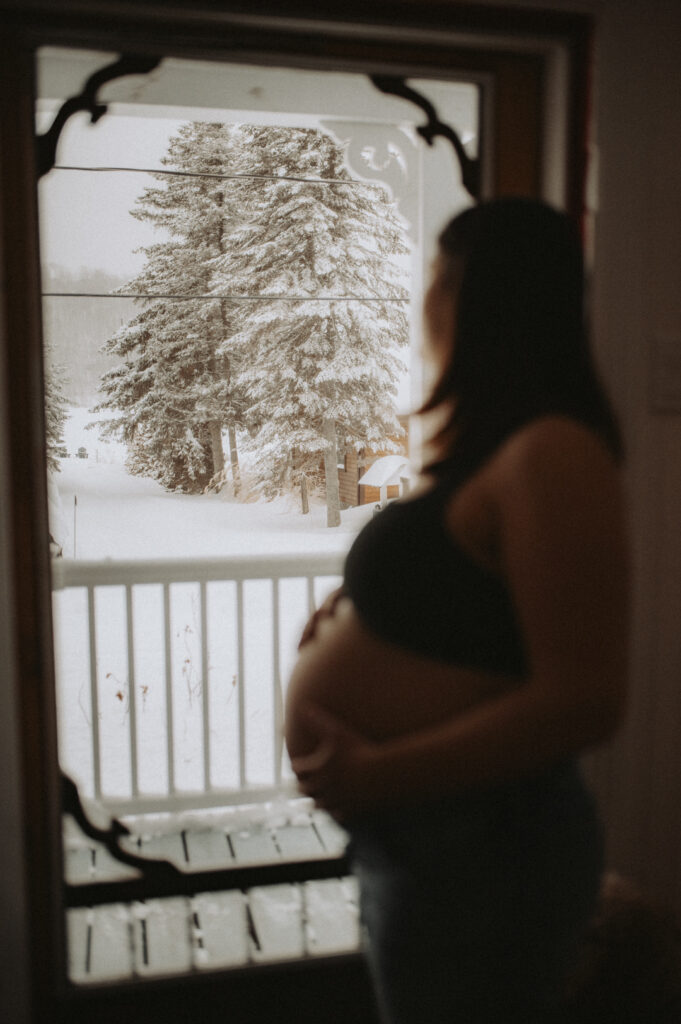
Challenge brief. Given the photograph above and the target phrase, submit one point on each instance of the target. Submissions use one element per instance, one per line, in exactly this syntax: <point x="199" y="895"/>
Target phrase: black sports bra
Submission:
<point x="413" y="585"/>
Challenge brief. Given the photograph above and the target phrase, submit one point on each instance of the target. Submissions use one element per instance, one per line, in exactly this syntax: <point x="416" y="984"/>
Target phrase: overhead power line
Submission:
<point x="230" y="298"/>
<point x="226" y="177"/>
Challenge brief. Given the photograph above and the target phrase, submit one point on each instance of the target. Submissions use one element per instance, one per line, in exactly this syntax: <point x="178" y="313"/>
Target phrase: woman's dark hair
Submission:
<point x="521" y="346"/>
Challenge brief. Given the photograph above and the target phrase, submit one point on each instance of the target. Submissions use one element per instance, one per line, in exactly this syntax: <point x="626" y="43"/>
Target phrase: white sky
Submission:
<point x="85" y="218"/>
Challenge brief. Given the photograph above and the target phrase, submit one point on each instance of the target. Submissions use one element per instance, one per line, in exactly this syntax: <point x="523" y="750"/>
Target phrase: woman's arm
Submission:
<point x="560" y="533"/>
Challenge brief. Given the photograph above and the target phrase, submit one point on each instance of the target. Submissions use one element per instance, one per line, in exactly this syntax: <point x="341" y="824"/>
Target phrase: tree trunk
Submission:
<point x="303" y="495"/>
<point x="215" y="431"/>
<point x="234" y="459"/>
<point x="333" y="517"/>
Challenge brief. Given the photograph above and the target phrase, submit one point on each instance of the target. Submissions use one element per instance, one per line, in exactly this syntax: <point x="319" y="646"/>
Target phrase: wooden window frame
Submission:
<point x="507" y="46"/>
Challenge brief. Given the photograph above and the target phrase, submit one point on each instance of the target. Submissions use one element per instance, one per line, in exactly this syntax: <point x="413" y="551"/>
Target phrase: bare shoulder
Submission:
<point x="555" y="484"/>
<point x="554" y="454"/>
<point x="551" y="480"/>
<point x="554" y="438"/>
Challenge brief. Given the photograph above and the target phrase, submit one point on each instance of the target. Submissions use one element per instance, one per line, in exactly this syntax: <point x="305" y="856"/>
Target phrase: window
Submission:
<point x="171" y="691"/>
<point x="171" y="672"/>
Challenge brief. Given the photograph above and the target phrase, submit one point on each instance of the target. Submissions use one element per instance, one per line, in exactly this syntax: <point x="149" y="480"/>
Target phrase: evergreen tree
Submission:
<point x="173" y="394"/>
<point x="56" y="411"/>
<point x="318" y="369"/>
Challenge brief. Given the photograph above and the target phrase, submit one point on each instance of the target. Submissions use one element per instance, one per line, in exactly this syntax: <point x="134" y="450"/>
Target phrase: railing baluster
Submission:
<point x="205" y="693"/>
<point x="132" y="707"/>
<point x="277" y="696"/>
<point x="241" y="703"/>
<point x="170" y="739"/>
<point x="94" y="696"/>
<point x="238" y="570"/>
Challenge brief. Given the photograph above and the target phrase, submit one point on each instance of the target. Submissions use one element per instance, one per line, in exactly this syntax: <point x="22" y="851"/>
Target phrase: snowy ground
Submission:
<point x="108" y="514"/>
<point x="122" y="516"/>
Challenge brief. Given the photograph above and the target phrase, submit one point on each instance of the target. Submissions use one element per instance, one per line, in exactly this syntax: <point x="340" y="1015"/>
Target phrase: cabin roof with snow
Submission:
<point x="386" y="471"/>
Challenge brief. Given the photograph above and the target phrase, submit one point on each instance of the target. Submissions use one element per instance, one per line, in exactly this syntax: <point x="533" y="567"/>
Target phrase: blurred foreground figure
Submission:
<point x="477" y="646"/>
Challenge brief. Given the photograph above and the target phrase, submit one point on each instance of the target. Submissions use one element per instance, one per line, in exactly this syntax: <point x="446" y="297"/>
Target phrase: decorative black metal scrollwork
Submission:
<point x="470" y="168"/>
<point x="108" y="837"/>
<point x="158" y="878"/>
<point x="46" y="144"/>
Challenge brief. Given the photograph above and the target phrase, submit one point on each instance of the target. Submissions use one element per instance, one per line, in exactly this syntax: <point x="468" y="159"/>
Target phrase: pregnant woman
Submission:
<point x="478" y="645"/>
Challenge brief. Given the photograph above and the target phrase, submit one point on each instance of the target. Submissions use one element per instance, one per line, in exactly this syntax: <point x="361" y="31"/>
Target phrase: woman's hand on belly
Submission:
<point x="339" y="772"/>
<point x="350" y="694"/>
<point x="325" y="611"/>
<point x="375" y="688"/>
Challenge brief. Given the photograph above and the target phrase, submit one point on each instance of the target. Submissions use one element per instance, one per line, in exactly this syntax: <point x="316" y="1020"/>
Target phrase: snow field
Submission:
<point x="119" y="516"/>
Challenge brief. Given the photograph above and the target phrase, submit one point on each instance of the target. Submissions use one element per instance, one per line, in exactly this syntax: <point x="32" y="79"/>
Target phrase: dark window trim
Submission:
<point x="416" y="36"/>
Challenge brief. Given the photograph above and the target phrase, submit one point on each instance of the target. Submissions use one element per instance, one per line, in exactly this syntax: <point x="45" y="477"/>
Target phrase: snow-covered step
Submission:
<point x="298" y="842"/>
<point x="78" y="937"/>
<point x="78" y="864"/>
<point x="332" y="916"/>
<point x="254" y="846"/>
<point x="111" y="952"/>
<point x="221" y="930"/>
<point x="100" y="943"/>
<point x="212" y="931"/>
<point x="276" y="913"/>
<point x="302" y="838"/>
<point x="163" y="936"/>
<point x="107" y="868"/>
<point x="333" y="837"/>
<point x="93" y="863"/>
<point x="207" y="849"/>
<point x="166" y="846"/>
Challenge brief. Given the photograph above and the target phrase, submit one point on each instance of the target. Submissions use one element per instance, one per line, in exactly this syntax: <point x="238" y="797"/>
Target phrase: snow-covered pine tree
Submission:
<point x="173" y="394"/>
<point x="319" y="368"/>
<point x="56" y="410"/>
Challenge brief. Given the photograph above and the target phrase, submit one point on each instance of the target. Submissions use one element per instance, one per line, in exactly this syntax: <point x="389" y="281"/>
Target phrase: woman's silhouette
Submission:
<point x="478" y="644"/>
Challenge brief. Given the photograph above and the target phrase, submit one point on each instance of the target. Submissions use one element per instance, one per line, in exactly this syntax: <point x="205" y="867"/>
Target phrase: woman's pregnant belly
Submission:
<point x="376" y="687"/>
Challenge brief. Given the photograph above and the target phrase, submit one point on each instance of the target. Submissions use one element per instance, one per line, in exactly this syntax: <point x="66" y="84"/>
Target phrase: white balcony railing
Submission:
<point x="170" y="675"/>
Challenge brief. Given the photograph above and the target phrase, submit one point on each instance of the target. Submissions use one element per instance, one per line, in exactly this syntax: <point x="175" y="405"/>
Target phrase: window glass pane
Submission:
<point x="233" y="262"/>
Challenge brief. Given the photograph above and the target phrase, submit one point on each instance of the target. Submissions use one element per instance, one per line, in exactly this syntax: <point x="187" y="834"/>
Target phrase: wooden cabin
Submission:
<point x="355" y="463"/>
